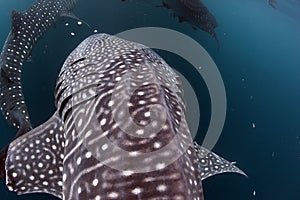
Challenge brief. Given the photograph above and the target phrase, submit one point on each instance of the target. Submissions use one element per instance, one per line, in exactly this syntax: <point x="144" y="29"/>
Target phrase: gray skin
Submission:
<point x="69" y="157"/>
<point x="27" y="27"/>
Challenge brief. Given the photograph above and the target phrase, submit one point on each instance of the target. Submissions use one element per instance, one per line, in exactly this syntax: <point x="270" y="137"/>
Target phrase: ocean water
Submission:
<point x="259" y="61"/>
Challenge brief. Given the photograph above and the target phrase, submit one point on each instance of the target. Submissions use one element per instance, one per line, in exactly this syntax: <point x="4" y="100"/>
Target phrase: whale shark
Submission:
<point x="26" y="28"/>
<point x="119" y="131"/>
<point x="195" y="13"/>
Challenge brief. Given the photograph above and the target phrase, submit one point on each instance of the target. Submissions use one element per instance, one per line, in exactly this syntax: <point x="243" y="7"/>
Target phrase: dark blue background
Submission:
<point x="258" y="60"/>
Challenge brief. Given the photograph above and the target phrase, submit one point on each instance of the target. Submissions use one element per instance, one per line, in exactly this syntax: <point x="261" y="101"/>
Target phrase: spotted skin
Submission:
<point x="88" y="113"/>
<point x="35" y="160"/>
<point x="27" y="27"/>
<point x="106" y="63"/>
<point x="211" y="164"/>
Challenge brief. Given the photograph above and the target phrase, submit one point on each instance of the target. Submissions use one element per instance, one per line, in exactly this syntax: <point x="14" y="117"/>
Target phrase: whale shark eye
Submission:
<point x="77" y="61"/>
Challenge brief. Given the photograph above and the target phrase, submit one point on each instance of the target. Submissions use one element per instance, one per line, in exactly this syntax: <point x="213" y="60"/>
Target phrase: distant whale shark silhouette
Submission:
<point x="27" y="27"/>
<point x="195" y="13"/>
<point x="69" y="157"/>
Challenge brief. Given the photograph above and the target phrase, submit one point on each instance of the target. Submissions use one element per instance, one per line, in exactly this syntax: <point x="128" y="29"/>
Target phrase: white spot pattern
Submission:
<point x="112" y="58"/>
<point x="43" y="162"/>
<point x="78" y="171"/>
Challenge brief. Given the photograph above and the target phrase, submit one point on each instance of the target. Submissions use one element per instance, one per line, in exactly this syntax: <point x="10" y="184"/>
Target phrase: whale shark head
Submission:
<point x="119" y="131"/>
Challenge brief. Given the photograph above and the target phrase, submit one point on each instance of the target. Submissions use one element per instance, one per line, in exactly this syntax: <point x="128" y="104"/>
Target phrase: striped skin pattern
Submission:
<point x="195" y="13"/>
<point x="99" y="77"/>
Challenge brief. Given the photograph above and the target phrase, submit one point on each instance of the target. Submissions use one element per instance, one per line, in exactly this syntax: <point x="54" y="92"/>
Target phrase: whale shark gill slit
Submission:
<point x="79" y="60"/>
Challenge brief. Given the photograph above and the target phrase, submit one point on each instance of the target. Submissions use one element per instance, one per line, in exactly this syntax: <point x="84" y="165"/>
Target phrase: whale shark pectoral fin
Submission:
<point x="211" y="164"/>
<point x="213" y="34"/>
<point x="72" y="16"/>
<point x="34" y="161"/>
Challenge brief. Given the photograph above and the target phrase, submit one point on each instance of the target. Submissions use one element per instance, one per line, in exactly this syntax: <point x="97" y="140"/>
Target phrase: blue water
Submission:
<point x="259" y="61"/>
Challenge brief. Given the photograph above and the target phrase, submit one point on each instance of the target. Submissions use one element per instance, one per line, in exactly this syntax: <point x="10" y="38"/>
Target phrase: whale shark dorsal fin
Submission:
<point x="34" y="161"/>
<point x="211" y="164"/>
<point x="16" y="20"/>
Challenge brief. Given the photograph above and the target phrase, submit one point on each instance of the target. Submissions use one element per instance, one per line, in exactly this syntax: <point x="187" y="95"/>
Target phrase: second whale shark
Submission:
<point x="195" y="13"/>
<point x="26" y="29"/>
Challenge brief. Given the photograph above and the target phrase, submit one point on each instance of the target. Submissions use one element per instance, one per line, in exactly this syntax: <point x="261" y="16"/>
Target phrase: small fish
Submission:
<point x="195" y="13"/>
<point x="273" y="3"/>
<point x="73" y="156"/>
<point x="27" y="27"/>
